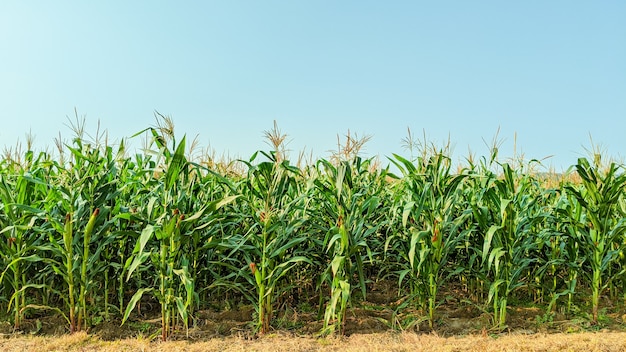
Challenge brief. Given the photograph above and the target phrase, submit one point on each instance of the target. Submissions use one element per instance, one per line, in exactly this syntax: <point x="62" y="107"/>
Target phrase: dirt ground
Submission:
<point x="368" y="328"/>
<point x="375" y="325"/>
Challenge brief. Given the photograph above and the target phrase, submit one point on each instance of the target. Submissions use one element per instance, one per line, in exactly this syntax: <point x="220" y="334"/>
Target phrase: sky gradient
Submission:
<point x="552" y="73"/>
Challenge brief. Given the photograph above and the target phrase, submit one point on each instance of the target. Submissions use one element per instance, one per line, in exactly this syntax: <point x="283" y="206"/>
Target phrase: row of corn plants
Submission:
<point x="96" y="234"/>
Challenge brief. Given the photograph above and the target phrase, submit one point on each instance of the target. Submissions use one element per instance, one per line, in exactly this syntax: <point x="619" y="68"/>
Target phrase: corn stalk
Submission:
<point x="435" y="225"/>
<point x="598" y="229"/>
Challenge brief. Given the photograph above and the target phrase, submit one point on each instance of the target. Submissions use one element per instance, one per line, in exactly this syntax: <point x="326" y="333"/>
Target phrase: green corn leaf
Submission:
<point x="487" y="242"/>
<point x="137" y="260"/>
<point x="336" y="263"/>
<point x="133" y="302"/>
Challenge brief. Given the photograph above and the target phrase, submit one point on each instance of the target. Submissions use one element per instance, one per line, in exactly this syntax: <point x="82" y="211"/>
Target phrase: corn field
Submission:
<point x="92" y="233"/>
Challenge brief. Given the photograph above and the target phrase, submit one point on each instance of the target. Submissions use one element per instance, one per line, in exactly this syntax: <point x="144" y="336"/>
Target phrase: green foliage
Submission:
<point x="435" y="223"/>
<point x="94" y="235"/>
<point x="597" y="225"/>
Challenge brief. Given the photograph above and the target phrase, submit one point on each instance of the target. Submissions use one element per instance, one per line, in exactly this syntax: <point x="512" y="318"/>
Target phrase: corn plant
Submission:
<point x="20" y="195"/>
<point x="68" y="213"/>
<point x="597" y="229"/>
<point x="433" y="216"/>
<point x="277" y="208"/>
<point x="509" y="246"/>
<point x="350" y="197"/>
<point x="167" y="221"/>
<point x="559" y="263"/>
<point x="136" y="176"/>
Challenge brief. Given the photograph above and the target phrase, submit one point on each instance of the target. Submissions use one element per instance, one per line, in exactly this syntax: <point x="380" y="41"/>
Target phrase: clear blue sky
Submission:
<point x="553" y="72"/>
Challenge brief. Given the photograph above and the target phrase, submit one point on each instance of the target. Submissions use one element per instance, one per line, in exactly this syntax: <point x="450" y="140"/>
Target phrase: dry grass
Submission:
<point x="590" y="342"/>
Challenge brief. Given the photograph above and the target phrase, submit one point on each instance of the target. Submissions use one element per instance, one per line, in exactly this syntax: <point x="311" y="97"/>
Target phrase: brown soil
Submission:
<point x="378" y="314"/>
